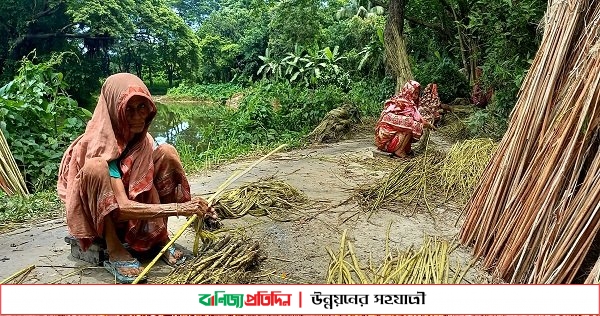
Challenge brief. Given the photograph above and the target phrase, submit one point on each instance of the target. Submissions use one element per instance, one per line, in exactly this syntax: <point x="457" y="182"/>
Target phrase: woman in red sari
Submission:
<point x="400" y="123"/>
<point x="118" y="186"/>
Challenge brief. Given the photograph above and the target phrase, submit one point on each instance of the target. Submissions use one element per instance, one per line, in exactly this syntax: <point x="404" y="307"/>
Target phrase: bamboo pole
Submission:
<point x="11" y="179"/>
<point x="17" y="274"/>
<point x="191" y="220"/>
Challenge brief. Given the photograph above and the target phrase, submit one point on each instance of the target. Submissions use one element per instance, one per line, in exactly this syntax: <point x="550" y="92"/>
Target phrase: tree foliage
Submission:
<point x="301" y="46"/>
<point x="37" y="95"/>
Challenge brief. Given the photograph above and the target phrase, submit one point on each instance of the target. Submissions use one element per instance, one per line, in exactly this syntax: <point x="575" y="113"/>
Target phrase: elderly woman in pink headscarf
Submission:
<point x="119" y="187"/>
<point x="400" y="123"/>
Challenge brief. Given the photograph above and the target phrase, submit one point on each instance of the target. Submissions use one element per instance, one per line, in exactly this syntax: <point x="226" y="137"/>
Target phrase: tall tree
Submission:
<point x="295" y="22"/>
<point x="395" y="45"/>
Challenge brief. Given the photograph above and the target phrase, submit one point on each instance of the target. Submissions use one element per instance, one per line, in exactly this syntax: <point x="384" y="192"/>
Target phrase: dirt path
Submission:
<point x="295" y="250"/>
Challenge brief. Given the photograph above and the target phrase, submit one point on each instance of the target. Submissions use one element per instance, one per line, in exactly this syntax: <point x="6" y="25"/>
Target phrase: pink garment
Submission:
<point x="399" y="118"/>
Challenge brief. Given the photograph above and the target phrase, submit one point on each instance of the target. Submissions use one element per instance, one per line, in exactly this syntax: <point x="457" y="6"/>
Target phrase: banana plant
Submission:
<point x="270" y="67"/>
<point x="355" y="8"/>
<point x="331" y="58"/>
<point x="295" y="63"/>
<point x="373" y="53"/>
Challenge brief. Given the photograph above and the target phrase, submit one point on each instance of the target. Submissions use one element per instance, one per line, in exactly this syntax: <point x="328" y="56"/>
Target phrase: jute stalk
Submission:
<point x="191" y="220"/>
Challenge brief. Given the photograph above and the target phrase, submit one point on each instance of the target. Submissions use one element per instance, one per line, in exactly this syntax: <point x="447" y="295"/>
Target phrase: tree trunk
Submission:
<point x="170" y="75"/>
<point x="395" y="45"/>
<point x="138" y="69"/>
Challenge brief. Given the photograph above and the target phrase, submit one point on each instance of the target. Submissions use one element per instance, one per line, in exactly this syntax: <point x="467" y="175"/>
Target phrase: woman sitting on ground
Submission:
<point x="400" y="123"/>
<point x="118" y="186"/>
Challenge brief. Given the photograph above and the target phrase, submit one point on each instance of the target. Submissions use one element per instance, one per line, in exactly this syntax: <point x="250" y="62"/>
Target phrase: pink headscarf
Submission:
<point x="106" y="136"/>
<point x="405" y="102"/>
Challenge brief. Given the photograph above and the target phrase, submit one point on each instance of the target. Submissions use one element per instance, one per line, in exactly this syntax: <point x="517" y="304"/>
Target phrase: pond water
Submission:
<point x="183" y="122"/>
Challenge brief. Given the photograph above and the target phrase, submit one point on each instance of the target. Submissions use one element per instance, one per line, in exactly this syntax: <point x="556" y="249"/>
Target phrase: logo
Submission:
<point x="261" y="298"/>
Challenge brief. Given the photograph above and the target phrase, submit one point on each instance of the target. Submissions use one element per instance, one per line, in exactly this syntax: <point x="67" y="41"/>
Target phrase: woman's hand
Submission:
<point x="198" y="206"/>
<point x="429" y="125"/>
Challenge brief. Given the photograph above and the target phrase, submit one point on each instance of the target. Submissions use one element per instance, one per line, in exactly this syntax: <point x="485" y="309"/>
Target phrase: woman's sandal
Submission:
<point x="171" y="252"/>
<point x="113" y="267"/>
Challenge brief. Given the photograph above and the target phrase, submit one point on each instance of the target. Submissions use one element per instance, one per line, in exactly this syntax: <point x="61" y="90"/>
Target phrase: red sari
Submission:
<point x="430" y="104"/>
<point x="399" y="118"/>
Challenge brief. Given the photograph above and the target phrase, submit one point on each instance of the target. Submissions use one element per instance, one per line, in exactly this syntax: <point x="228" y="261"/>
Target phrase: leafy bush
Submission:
<point x="311" y="69"/>
<point x="451" y="83"/>
<point x="39" y="120"/>
<point x="486" y="124"/>
<point x="369" y="95"/>
<point x="37" y="206"/>
<point x="218" y="92"/>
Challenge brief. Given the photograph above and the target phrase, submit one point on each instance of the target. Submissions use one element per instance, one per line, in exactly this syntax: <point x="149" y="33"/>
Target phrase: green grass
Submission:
<point x="217" y="92"/>
<point x="195" y="158"/>
<point x="32" y="208"/>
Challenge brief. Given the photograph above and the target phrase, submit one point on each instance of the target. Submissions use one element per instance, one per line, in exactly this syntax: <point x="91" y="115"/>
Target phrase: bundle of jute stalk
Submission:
<point x="273" y="198"/>
<point x="336" y="123"/>
<point x="411" y="181"/>
<point x="429" y="264"/>
<point x="227" y="260"/>
<point x="463" y="165"/>
<point x="11" y="179"/>
<point x="537" y="208"/>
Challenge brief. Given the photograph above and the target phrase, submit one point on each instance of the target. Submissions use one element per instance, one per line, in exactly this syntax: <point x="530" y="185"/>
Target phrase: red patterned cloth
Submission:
<point x="430" y="104"/>
<point x="399" y="118"/>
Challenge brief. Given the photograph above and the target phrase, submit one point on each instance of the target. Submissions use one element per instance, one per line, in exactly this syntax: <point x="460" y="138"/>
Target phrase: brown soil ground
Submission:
<point x="295" y="251"/>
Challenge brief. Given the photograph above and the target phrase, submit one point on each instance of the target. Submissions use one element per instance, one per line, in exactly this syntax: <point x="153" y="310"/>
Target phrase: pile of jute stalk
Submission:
<point x="463" y="166"/>
<point x="273" y="198"/>
<point x="336" y="123"/>
<point x="227" y="260"/>
<point x="537" y="208"/>
<point x="433" y="172"/>
<point x="453" y="128"/>
<point x="408" y="181"/>
<point x="11" y="179"/>
<point x="429" y="264"/>
<point x="200" y="223"/>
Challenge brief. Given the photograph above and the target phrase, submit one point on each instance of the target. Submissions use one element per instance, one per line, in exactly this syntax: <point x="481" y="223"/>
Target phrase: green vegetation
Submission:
<point x="286" y="62"/>
<point x="269" y="114"/>
<point x="216" y="92"/>
<point x="39" y="120"/>
<point x="32" y="208"/>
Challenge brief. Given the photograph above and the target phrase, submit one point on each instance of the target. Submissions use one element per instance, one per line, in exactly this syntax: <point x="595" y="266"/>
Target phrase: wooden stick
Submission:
<point x="16" y="275"/>
<point x="68" y="275"/>
<point x="195" y="216"/>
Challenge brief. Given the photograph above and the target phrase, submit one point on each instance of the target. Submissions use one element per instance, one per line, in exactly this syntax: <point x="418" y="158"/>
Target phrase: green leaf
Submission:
<point x="294" y="77"/>
<point x="328" y="53"/>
